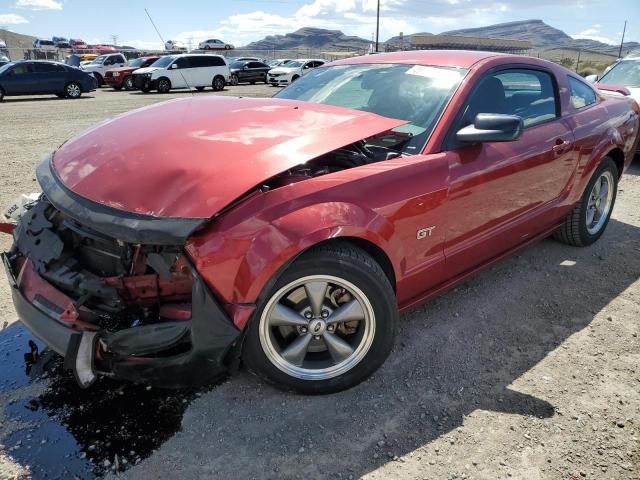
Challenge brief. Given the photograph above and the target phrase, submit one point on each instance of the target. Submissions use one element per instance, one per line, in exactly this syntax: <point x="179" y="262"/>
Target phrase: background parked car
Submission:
<point x="87" y="58"/>
<point x="119" y="78"/>
<point x="251" y="72"/>
<point x="78" y="45"/>
<point x="103" y="49"/>
<point x="4" y="60"/>
<point x="174" y="45"/>
<point x="61" y="42"/>
<point x="3" y="44"/>
<point x="99" y="65"/>
<point x="43" y="44"/>
<point x="278" y="62"/>
<point x="289" y="73"/>
<point x="623" y="73"/>
<point x="42" y="78"/>
<point x="183" y="71"/>
<point x="214" y="44"/>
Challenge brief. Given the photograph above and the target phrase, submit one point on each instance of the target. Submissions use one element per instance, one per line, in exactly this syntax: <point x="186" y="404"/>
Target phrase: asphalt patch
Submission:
<point x="74" y="433"/>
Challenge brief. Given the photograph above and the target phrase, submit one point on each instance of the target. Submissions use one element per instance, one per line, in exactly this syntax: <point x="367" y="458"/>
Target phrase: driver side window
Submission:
<point x="530" y="94"/>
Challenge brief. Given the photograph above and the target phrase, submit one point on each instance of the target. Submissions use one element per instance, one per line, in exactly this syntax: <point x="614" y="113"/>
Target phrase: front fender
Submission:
<point x="239" y="261"/>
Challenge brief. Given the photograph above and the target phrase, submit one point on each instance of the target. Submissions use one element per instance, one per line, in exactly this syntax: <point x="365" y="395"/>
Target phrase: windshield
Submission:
<point x="46" y="42"/>
<point x="237" y="65"/>
<point x="415" y="93"/>
<point x="163" y="62"/>
<point x="624" y="73"/>
<point x="136" y="62"/>
<point x="99" y="59"/>
<point x="294" y="64"/>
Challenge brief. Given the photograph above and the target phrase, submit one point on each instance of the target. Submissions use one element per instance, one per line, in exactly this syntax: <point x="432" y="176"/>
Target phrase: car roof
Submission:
<point x="442" y="58"/>
<point x="195" y="55"/>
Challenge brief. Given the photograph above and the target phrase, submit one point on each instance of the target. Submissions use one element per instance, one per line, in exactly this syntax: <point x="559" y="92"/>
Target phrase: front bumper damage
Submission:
<point x="147" y="323"/>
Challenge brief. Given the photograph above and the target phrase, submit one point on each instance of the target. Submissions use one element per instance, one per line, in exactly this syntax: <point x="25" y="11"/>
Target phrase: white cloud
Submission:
<point x="12" y="19"/>
<point x="39" y="4"/>
<point x="593" y="33"/>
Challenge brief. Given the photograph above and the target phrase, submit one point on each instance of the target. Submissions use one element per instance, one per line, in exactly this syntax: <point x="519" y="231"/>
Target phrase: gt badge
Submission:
<point x="425" y="232"/>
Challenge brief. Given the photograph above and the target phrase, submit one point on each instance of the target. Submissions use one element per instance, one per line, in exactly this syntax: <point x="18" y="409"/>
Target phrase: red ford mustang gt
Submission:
<point x="289" y="232"/>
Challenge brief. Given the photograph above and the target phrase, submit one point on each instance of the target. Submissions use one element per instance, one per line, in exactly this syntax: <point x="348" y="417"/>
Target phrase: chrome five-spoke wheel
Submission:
<point x="600" y="201"/>
<point x="317" y="327"/>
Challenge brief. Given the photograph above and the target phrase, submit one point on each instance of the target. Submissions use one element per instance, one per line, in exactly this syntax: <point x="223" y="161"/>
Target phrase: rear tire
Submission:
<point x="335" y="356"/>
<point x="218" y="83"/>
<point x="1" y="95"/>
<point x="99" y="79"/>
<point x="164" y="85"/>
<point x="589" y="218"/>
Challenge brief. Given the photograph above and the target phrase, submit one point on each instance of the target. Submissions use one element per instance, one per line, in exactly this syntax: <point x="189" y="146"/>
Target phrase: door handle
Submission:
<point x="561" y="146"/>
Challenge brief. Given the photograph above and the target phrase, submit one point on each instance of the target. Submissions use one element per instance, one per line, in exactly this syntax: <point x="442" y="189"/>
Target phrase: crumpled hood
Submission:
<point x="191" y="157"/>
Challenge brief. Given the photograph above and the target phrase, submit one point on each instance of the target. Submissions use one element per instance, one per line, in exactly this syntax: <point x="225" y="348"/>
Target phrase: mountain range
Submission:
<point x="541" y="36"/>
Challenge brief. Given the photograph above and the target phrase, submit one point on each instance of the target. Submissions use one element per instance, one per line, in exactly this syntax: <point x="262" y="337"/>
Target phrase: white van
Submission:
<point x="183" y="71"/>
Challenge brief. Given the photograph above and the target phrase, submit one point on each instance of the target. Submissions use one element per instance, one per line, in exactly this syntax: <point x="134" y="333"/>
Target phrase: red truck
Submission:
<point x="120" y="78"/>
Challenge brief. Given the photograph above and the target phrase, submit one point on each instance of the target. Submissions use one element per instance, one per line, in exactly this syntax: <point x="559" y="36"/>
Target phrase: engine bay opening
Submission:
<point x="385" y="146"/>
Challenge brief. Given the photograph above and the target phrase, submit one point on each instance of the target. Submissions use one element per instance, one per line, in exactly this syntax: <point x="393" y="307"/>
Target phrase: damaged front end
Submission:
<point x="130" y="310"/>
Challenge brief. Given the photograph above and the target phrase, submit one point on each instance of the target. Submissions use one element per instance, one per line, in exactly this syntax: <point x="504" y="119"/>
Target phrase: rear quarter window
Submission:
<point x="582" y="95"/>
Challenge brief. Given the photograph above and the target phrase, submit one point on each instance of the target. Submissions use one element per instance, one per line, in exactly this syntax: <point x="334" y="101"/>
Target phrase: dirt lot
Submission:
<point x="528" y="371"/>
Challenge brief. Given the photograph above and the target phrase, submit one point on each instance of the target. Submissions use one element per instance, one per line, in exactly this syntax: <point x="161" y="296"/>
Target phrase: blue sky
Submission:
<point x="242" y="21"/>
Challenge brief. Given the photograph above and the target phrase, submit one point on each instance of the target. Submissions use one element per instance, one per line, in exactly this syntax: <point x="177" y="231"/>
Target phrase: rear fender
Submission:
<point x="238" y="263"/>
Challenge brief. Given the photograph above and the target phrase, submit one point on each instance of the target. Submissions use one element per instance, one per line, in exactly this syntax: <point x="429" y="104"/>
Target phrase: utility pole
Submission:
<point x="578" y="61"/>
<point x="114" y="38"/>
<point x="624" y="30"/>
<point x="378" y="26"/>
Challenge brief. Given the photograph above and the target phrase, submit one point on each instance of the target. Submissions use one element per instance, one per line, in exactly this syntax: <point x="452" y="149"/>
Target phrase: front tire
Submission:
<point x="73" y="90"/>
<point x="164" y="85"/>
<point x="99" y="79"/>
<point x="326" y="324"/>
<point x="589" y="218"/>
<point x="234" y="80"/>
<point x="128" y="84"/>
<point x="1" y="95"/>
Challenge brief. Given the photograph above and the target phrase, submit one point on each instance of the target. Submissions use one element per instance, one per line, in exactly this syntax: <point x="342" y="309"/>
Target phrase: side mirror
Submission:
<point x="245" y="68"/>
<point x="591" y="78"/>
<point x="492" y="127"/>
<point x="173" y="66"/>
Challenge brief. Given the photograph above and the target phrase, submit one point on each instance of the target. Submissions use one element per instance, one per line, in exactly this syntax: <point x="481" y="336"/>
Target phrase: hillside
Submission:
<point x="309" y="37"/>
<point x="540" y="35"/>
<point x="395" y="42"/>
<point x="16" y="40"/>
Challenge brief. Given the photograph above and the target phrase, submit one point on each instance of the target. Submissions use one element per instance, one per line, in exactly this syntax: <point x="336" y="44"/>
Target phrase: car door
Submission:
<point x="503" y="193"/>
<point x="49" y="78"/>
<point x="19" y="80"/>
<point x="179" y="72"/>
<point x="254" y="71"/>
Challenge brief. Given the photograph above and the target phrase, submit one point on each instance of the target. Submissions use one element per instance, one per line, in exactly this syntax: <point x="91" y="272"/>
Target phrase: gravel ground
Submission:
<point x="528" y="371"/>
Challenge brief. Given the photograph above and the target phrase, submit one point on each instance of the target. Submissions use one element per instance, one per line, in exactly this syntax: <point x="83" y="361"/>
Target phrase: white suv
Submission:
<point x="183" y="71"/>
<point x="99" y="65"/>
<point x="214" y="44"/>
<point x="292" y="70"/>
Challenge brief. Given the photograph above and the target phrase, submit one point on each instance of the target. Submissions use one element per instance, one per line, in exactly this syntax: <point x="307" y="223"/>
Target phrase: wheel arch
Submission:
<point x="617" y="155"/>
<point x="277" y="244"/>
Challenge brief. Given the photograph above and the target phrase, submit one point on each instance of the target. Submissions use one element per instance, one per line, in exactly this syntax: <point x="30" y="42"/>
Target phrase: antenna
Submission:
<point x="163" y="42"/>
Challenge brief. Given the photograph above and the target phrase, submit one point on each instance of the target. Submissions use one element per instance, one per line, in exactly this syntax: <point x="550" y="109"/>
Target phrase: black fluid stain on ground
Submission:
<point x="76" y="433"/>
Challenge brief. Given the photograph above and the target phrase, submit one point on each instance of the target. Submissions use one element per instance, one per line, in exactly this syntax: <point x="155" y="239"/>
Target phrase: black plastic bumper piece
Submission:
<point x="209" y="335"/>
<point x="126" y="226"/>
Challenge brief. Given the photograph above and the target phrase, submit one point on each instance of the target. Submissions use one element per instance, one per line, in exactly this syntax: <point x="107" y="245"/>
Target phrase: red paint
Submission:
<point x="203" y="153"/>
<point x="485" y="201"/>
<point x="613" y="88"/>
<point x="7" y="227"/>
